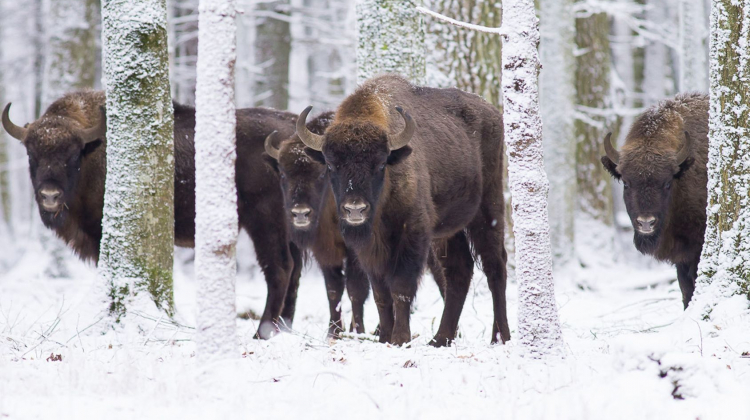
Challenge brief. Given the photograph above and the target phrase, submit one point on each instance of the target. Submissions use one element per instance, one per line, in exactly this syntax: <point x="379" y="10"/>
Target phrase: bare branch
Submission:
<point x="498" y="31"/>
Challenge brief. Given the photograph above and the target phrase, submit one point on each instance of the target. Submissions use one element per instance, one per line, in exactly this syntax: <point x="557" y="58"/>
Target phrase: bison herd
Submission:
<point x="399" y="179"/>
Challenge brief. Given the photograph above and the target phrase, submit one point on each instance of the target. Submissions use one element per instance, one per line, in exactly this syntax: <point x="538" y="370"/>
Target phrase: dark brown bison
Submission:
<point x="67" y="161"/>
<point x="399" y="185"/>
<point x="313" y="222"/>
<point x="663" y="169"/>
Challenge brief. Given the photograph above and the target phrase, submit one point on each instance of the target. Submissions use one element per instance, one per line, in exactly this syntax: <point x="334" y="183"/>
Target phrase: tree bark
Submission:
<point x="216" y="223"/>
<point x="398" y="49"/>
<point x="724" y="270"/>
<point x="557" y="105"/>
<point x="538" y="323"/>
<point x="138" y="227"/>
<point x="692" y="51"/>
<point x="273" y="43"/>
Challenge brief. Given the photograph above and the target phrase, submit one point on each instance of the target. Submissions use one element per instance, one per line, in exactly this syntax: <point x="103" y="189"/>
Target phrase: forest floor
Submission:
<point x="631" y="354"/>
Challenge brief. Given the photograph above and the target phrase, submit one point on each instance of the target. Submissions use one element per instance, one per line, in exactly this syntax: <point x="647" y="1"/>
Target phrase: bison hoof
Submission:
<point x="335" y="329"/>
<point x="266" y="330"/>
<point x="400" y="339"/>
<point x="439" y="341"/>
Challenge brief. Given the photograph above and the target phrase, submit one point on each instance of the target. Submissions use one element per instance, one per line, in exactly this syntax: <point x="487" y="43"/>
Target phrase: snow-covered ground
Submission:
<point x="631" y="355"/>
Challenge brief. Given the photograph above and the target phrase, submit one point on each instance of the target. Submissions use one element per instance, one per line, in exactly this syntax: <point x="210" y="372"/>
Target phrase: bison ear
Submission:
<point x="684" y="166"/>
<point x="91" y="146"/>
<point x="271" y="162"/>
<point x="315" y="155"/>
<point x="611" y="167"/>
<point x="398" y="155"/>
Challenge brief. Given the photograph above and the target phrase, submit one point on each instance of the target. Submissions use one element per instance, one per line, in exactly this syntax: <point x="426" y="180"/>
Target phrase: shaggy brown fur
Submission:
<point x="445" y="184"/>
<point x="59" y="161"/>
<point x="306" y="186"/>
<point x="658" y="186"/>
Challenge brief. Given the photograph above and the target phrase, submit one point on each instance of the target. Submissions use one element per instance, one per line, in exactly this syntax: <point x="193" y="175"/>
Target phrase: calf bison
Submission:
<point x="67" y="160"/>
<point x="663" y="169"/>
<point x="313" y="222"/>
<point x="399" y="185"/>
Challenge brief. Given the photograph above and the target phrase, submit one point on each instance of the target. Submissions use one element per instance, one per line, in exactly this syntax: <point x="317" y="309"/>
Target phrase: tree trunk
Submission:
<point x="655" y="63"/>
<point x="538" y="323"/>
<point x="398" y="49"/>
<point x="724" y="270"/>
<point x="557" y="104"/>
<point x="216" y="224"/>
<point x="70" y="62"/>
<point x="692" y="51"/>
<point x="273" y="43"/>
<point x="184" y="50"/>
<point x="138" y="227"/>
<point x="595" y="219"/>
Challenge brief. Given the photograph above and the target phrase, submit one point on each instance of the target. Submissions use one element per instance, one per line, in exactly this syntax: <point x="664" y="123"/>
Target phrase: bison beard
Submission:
<point x="663" y="166"/>
<point x="68" y="143"/>
<point x="379" y="157"/>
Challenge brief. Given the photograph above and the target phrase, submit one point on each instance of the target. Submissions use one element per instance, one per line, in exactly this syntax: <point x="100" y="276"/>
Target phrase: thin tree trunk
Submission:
<point x="655" y="63"/>
<point x="138" y="227"/>
<point x="693" y="68"/>
<point x="557" y="104"/>
<point x="273" y="43"/>
<point x="216" y="222"/>
<point x="724" y="270"/>
<point x="398" y="49"/>
<point x="538" y="323"/>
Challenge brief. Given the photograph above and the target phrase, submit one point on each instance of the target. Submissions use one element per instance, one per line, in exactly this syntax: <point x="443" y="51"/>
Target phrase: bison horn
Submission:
<point x="18" y="133"/>
<point x="270" y="149"/>
<point x="98" y="131"/>
<point x="398" y="141"/>
<point x="612" y="154"/>
<point x="685" y="151"/>
<point x="311" y="140"/>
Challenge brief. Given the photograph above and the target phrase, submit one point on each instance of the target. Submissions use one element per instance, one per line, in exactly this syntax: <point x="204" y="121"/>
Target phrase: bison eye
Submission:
<point x="667" y="185"/>
<point x="382" y="167"/>
<point x="330" y="168"/>
<point x="625" y="185"/>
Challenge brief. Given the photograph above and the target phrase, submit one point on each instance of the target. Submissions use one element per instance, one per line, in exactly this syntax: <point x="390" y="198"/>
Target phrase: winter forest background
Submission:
<point x="632" y="352"/>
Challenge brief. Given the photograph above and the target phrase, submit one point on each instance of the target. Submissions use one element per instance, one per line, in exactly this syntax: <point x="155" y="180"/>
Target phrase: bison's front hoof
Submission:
<point x="439" y="341"/>
<point x="335" y="328"/>
<point x="400" y="339"/>
<point x="266" y="330"/>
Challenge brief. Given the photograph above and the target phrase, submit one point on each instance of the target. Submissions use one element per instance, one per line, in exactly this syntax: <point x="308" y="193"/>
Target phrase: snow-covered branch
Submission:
<point x="498" y="31"/>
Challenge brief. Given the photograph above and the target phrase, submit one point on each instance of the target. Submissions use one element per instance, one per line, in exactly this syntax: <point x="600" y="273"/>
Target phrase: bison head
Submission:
<point x="356" y="155"/>
<point x="304" y="183"/>
<point x="648" y="174"/>
<point x="55" y="146"/>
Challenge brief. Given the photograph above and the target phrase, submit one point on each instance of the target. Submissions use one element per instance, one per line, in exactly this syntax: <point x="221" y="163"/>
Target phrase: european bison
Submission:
<point x="313" y="222"/>
<point x="398" y="186"/>
<point x="67" y="160"/>
<point x="663" y="169"/>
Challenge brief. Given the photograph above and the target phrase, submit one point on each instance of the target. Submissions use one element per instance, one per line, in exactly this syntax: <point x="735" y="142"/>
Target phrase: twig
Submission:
<point x="701" y="334"/>
<point x="480" y="28"/>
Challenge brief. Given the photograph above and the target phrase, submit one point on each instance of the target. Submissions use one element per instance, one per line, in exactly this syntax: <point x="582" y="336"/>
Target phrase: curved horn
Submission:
<point x="270" y="150"/>
<point x="98" y="131"/>
<point x="400" y="140"/>
<point x="612" y="154"/>
<point x="311" y="140"/>
<point x="685" y="151"/>
<point x="18" y="133"/>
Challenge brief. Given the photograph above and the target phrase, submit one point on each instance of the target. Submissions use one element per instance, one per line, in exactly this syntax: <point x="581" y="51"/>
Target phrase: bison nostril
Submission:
<point x="646" y="222"/>
<point x="301" y="211"/>
<point x="50" y="195"/>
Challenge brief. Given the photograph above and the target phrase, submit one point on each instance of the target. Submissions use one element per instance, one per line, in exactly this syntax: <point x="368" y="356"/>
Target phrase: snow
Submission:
<point x="216" y="223"/>
<point x="620" y="339"/>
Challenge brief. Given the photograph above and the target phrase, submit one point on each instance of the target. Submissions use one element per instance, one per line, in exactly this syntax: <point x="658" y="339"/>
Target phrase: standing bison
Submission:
<point x="663" y="169"/>
<point x="67" y="161"/>
<point x="399" y="184"/>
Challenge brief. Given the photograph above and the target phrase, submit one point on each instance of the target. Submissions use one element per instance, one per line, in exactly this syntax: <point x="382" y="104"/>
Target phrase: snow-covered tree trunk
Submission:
<point x="595" y="215"/>
<point x="70" y="59"/>
<point x="273" y="43"/>
<point x="391" y="39"/>
<point x="692" y="51"/>
<point x="557" y="105"/>
<point x="538" y="323"/>
<point x="137" y="244"/>
<point x="184" y="49"/>
<point x="724" y="269"/>
<point x="216" y="222"/>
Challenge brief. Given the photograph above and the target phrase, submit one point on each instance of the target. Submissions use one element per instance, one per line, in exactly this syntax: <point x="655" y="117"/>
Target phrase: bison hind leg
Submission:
<point x="458" y="266"/>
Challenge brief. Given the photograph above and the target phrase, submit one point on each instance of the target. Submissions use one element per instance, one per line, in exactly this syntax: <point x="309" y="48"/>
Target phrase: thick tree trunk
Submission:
<point x="538" y="323"/>
<point x="655" y="63"/>
<point x="216" y="222"/>
<point x="391" y="39"/>
<point x="138" y="227"/>
<point x="692" y="50"/>
<point x="724" y="270"/>
<point x="273" y="43"/>
<point x="557" y="105"/>
<point x="595" y="215"/>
